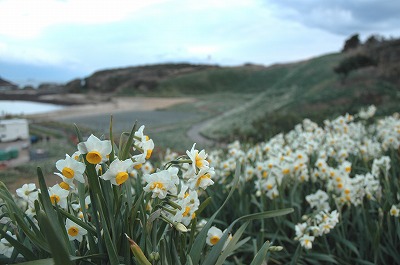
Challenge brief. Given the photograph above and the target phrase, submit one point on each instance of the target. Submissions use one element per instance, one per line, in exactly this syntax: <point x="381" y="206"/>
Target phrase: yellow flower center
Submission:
<point x="214" y="240"/>
<point x="347" y="191"/>
<point x="285" y="171"/>
<point x="138" y="166"/>
<point x="269" y="186"/>
<point x="186" y="212"/>
<point x="73" y="231"/>
<point x="64" y="185"/>
<point x="54" y="198"/>
<point x="265" y="174"/>
<point x="68" y="172"/>
<point x="199" y="161"/>
<point x="93" y="157"/>
<point x="393" y="212"/>
<point x="348" y="169"/>
<point x="148" y="154"/>
<point x="121" y="177"/>
<point x="157" y="185"/>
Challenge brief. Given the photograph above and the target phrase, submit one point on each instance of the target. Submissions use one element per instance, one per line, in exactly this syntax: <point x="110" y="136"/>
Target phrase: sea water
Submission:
<point x="20" y="107"/>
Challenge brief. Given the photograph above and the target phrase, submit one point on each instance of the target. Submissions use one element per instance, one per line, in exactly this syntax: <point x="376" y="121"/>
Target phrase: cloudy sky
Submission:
<point x="59" y="40"/>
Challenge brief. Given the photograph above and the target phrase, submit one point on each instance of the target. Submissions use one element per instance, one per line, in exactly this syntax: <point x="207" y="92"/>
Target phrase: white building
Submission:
<point x="14" y="129"/>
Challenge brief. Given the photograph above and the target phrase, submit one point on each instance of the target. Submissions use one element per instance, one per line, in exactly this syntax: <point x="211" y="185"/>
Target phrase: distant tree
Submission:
<point x="353" y="63"/>
<point x="372" y="41"/>
<point x="351" y="43"/>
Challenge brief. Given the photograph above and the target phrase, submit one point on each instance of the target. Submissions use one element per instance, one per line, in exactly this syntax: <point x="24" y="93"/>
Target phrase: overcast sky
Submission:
<point x="58" y="40"/>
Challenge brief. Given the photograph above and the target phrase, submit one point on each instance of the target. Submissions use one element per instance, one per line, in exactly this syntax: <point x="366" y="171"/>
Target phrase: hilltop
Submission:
<point x="7" y="85"/>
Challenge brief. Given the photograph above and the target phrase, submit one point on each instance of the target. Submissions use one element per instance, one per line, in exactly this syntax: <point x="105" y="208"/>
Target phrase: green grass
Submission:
<point x="235" y="80"/>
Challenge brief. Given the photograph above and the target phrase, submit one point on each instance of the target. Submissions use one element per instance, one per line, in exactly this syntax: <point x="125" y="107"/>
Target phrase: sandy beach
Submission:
<point x="115" y="105"/>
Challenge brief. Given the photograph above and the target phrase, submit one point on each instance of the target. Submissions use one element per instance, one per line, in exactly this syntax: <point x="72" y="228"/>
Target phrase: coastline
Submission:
<point x="111" y="106"/>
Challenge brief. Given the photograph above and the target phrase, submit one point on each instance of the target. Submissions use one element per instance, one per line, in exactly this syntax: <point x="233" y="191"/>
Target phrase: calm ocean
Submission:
<point x="17" y="107"/>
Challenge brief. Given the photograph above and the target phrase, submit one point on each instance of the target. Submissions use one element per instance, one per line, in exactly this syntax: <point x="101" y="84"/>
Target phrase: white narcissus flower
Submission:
<point x="139" y="160"/>
<point x="58" y="195"/>
<point x="160" y="184"/>
<point x="202" y="179"/>
<point x="306" y="241"/>
<point x="147" y="168"/>
<point x="394" y="211"/>
<point x="28" y="192"/>
<point x="189" y="203"/>
<point x="66" y="184"/>
<point x="5" y="247"/>
<point x="214" y="234"/>
<point x="96" y="151"/>
<point x="71" y="168"/>
<point x="143" y="142"/>
<point x="74" y="231"/>
<point x="118" y="171"/>
<point x="198" y="158"/>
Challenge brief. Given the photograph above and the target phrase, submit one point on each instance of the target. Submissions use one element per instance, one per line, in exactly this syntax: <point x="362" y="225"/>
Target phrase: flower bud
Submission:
<point x="180" y="227"/>
<point x="275" y="248"/>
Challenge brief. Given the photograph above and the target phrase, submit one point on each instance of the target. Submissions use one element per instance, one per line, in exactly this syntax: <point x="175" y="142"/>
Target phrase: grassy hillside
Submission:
<point x="244" y="79"/>
<point x="280" y="96"/>
<point x="286" y="94"/>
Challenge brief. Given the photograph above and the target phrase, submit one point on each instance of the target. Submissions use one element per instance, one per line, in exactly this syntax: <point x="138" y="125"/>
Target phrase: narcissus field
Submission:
<point x="319" y="194"/>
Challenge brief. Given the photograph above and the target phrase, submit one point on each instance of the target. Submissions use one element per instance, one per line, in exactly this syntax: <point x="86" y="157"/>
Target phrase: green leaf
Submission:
<point x="78" y="221"/>
<point x="44" y="194"/>
<point x="112" y="253"/>
<point x="125" y="150"/>
<point x="231" y="245"/>
<point x="203" y="205"/>
<point x="200" y="241"/>
<point x="78" y="133"/>
<point x="111" y="157"/>
<point x="23" y="250"/>
<point x="348" y="244"/>
<point x="321" y="257"/>
<point x="259" y="258"/>
<point x="296" y="256"/>
<point x="49" y="261"/>
<point x="57" y="245"/>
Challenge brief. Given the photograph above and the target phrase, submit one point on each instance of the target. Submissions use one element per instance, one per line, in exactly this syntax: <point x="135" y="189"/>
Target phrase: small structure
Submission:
<point x="14" y="129"/>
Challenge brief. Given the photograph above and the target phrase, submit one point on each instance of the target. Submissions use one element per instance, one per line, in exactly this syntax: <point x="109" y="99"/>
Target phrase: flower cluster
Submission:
<point x="314" y="226"/>
<point x="177" y="186"/>
<point x="323" y="155"/>
<point x="182" y="193"/>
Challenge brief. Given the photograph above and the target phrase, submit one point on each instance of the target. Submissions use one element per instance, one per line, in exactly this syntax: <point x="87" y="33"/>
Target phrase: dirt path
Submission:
<point x="194" y="133"/>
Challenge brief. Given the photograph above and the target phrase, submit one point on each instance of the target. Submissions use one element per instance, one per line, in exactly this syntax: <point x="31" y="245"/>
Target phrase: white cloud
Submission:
<point x="28" y="18"/>
<point x="89" y="35"/>
<point x="342" y="17"/>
